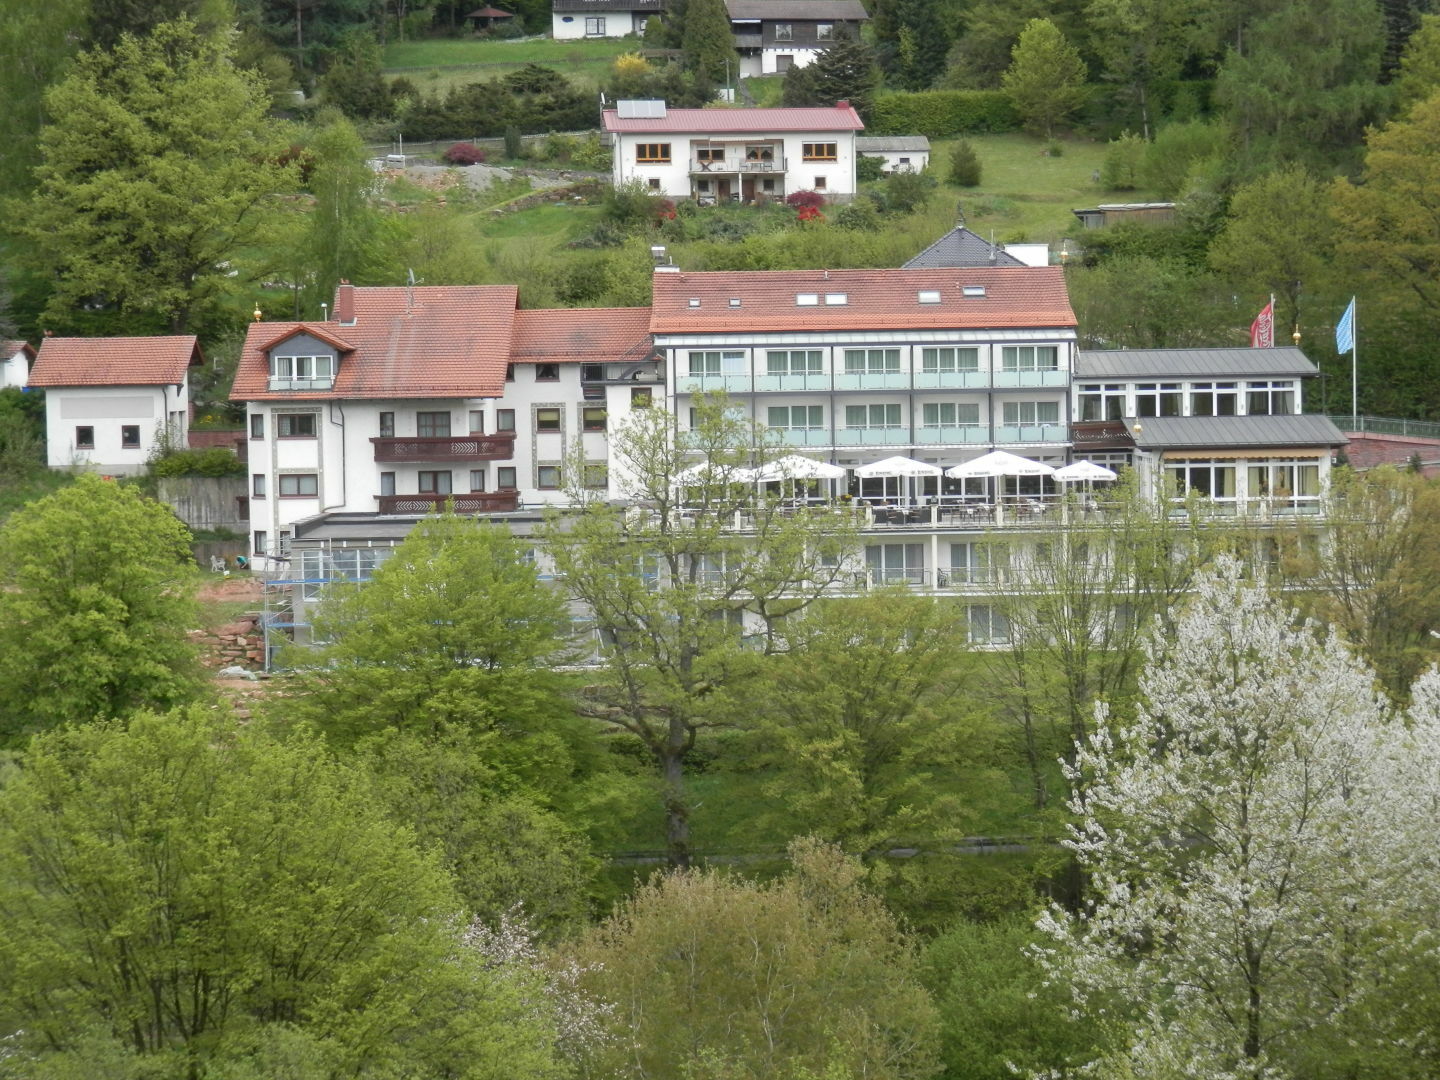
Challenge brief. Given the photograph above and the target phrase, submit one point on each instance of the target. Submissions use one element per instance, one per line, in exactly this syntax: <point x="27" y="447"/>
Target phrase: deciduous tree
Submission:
<point x="1390" y="220"/>
<point x="671" y="581"/>
<point x="96" y="588"/>
<point x="1278" y="238"/>
<point x="193" y="894"/>
<point x="716" y="976"/>
<point x="154" y="172"/>
<point x="454" y="628"/>
<point x="1375" y="574"/>
<point x="858" y="759"/>
<point x="1046" y="77"/>
<point x="1218" y="832"/>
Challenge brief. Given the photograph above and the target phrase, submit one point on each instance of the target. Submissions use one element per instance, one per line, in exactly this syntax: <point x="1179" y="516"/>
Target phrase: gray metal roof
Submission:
<point x="836" y="10"/>
<point x="1234" y="432"/>
<point x="879" y="144"/>
<point x="960" y="247"/>
<point x="1184" y="363"/>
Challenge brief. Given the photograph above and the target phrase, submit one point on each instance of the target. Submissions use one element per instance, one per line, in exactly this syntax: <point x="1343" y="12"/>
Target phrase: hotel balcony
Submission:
<point x="474" y="502"/>
<point x="1044" y="377"/>
<point x="447" y="448"/>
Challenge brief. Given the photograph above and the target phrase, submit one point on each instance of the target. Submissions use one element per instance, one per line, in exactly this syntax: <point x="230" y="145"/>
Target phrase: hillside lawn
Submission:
<point x="442" y="64"/>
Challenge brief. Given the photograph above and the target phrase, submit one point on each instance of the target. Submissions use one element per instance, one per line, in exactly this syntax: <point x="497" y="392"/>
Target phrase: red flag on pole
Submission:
<point x="1262" y="330"/>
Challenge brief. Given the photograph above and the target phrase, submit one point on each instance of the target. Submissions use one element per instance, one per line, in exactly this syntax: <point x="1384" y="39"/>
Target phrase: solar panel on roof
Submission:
<point x="641" y="109"/>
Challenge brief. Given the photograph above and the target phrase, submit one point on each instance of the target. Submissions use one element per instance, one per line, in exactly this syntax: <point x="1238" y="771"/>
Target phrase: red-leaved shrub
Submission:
<point x="798" y="199"/>
<point x="464" y="153"/>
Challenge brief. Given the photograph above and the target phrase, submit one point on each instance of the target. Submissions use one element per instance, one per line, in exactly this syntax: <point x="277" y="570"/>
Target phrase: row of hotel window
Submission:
<point x="432" y="425"/>
<point x="1114" y="401"/>
<point x="434" y="481"/>
<point x="659" y="153"/>
<point x="932" y="414"/>
<point x="939" y="360"/>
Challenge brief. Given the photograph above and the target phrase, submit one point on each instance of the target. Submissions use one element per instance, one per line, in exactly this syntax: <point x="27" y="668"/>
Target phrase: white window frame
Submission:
<point x="947" y="414"/>
<point x="715" y="363"/>
<point x="872" y="361"/>
<point x="1013" y="413"/>
<point x="796" y="417"/>
<point x="1030" y="358"/>
<point x="949" y="359"/>
<point x="795" y="362"/>
<point x="889" y="416"/>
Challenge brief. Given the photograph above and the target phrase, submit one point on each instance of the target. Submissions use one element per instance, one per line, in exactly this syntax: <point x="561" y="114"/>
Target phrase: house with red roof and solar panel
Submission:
<point x="110" y="402"/>
<point x="734" y="155"/>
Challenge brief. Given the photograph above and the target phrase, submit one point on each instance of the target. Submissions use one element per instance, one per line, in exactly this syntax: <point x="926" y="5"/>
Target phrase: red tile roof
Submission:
<point x="1019" y="296"/>
<point x="589" y="335"/>
<point x="120" y="361"/>
<point x="454" y="341"/>
<point x="10" y="348"/>
<point x="737" y="121"/>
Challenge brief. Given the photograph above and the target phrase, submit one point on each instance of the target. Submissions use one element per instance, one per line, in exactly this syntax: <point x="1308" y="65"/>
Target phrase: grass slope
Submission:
<point x="446" y="63"/>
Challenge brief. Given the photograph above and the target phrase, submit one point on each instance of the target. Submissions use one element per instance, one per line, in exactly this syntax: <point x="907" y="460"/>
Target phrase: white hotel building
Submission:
<point x="409" y="399"/>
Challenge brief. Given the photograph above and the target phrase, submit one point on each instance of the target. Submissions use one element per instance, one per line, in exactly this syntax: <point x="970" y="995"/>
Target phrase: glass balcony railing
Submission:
<point x="1030" y="379"/>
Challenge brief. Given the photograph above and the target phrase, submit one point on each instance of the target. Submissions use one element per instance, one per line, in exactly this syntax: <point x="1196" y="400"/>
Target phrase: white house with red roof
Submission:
<point x="409" y="398"/>
<point x="110" y="401"/>
<point x="15" y="360"/>
<point x="734" y="155"/>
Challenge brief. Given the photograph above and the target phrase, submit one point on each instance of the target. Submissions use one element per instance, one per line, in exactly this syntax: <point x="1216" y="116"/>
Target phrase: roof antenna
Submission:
<point x="993" y="253"/>
<point x="410" y="283"/>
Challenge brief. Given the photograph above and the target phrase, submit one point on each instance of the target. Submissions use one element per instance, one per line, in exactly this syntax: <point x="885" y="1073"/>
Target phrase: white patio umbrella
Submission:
<point x="1084" y="470"/>
<point x="897" y="466"/>
<point x="798" y="467"/>
<point x="706" y="472"/>
<point x="1000" y="463"/>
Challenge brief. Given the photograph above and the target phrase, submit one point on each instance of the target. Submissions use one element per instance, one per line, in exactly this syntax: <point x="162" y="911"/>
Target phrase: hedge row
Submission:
<point x="940" y="113"/>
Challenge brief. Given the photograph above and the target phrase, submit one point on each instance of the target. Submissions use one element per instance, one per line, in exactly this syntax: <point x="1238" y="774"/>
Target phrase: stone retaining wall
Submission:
<point x="238" y="643"/>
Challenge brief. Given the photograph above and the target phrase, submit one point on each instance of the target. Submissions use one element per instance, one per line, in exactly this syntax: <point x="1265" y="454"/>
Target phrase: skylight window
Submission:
<point x="928" y="296"/>
<point x="694" y="301"/>
<point x="972" y="290"/>
<point x="836" y="298"/>
<point x="734" y="301"/>
<point x="806" y="299"/>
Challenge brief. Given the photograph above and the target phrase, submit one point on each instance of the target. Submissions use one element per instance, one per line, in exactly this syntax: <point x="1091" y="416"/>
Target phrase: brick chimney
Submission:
<point x="345" y="304"/>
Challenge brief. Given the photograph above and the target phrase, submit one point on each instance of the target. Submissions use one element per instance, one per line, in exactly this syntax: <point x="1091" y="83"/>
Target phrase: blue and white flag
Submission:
<point x="1345" y="329"/>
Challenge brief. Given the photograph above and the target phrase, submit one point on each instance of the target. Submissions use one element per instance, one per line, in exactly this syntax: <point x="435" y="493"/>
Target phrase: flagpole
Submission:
<point x="1354" y="363"/>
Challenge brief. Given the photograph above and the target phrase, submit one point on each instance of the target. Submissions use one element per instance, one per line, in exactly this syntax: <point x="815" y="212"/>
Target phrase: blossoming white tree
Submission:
<point x="1218" y="831"/>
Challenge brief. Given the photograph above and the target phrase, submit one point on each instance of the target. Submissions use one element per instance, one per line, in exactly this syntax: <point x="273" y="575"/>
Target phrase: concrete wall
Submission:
<point x="205" y="502"/>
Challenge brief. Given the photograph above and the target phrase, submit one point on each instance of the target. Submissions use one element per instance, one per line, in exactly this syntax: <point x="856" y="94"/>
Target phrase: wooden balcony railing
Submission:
<point x="1101" y="435"/>
<point x="447" y="448"/>
<point x="474" y="502"/>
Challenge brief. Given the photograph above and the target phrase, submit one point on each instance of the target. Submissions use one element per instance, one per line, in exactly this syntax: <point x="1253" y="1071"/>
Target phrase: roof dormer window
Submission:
<point x="302" y="372"/>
